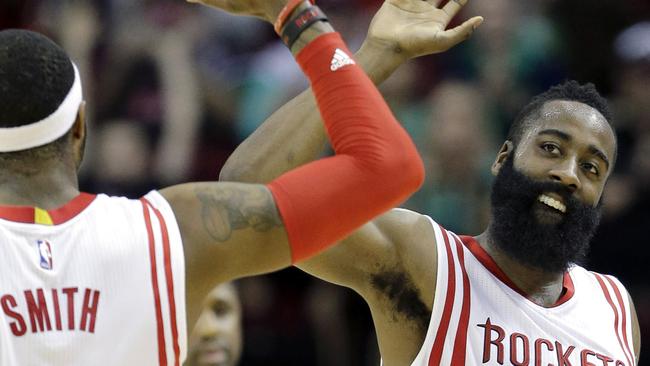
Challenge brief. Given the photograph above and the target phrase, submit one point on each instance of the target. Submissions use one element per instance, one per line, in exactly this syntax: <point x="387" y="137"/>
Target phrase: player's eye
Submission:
<point x="550" y="148"/>
<point x="591" y="168"/>
<point x="220" y="309"/>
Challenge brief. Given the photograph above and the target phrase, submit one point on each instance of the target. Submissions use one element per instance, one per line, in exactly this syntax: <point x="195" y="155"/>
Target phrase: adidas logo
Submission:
<point x="340" y="59"/>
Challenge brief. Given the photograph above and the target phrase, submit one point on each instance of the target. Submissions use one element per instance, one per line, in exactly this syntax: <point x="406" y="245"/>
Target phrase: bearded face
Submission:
<point x="540" y="224"/>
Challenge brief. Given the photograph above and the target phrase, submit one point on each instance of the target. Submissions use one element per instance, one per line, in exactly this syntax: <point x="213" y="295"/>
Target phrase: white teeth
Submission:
<point x="552" y="202"/>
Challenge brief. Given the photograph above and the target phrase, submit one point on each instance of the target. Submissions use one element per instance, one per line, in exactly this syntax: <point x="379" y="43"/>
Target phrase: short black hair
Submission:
<point x="570" y="90"/>
<point x="35" y="77"/>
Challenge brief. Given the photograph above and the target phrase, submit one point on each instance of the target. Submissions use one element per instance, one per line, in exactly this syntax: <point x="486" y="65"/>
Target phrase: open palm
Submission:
<point x="417" y="27"/>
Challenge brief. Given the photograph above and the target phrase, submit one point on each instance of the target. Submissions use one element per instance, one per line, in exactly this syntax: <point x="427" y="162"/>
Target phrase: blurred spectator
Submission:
<point x="121" y="158"/>
<point x="216" y="338"/>
<point x="276" y="322"/>
<point x="515" y="55"/>
<point x="342" y="327"/>
<point x="627" y="197"/>
<point x="458" y="152"/>
<point x="632" y="81"/>
<point x="272" y="78"/>
<point x="159" y="38"/>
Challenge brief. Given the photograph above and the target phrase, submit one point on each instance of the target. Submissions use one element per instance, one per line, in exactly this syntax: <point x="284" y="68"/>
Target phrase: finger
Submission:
<point x="453" y="7"/>
<point x="462" y="32"/>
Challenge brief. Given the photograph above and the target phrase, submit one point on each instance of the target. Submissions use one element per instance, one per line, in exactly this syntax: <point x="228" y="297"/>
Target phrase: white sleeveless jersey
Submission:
<point x="479" y="316"/>
<point x="100" y="281"/>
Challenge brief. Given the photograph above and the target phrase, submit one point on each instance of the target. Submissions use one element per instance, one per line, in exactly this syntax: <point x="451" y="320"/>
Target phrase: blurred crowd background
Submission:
<point x="173" y="88"/>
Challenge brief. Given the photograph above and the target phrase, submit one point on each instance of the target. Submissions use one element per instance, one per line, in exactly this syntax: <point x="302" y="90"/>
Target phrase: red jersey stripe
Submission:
<point x="486" y="260"/>
<point x="441" y="335"/>
<point x="170" y="282"/>
<point x="26" y="214"/>
<point x="611" y="303"/>
<point x="460" y="343"/>
<point x="621" y="305"/>
<point x="72" y="208"/>
<point x="162" y="352"/>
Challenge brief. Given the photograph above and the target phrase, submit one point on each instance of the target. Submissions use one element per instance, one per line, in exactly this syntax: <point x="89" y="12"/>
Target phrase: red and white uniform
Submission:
<point x="480" y="317"/>
<point x="100" y="281"/>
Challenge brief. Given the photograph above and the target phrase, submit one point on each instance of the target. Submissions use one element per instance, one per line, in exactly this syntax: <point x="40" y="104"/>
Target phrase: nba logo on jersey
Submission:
<point x="45" y="252"/>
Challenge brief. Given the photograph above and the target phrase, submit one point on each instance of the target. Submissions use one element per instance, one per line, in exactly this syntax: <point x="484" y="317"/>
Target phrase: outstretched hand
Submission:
<point x="265" y="9"/>
<point x="416" y="27"/>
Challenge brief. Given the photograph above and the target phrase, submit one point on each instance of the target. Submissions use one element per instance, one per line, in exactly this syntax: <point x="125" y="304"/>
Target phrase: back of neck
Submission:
<point x="47" y="188"/>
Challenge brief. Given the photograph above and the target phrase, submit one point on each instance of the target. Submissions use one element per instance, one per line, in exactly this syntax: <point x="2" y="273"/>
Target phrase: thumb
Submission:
<point x="463" y="31"/>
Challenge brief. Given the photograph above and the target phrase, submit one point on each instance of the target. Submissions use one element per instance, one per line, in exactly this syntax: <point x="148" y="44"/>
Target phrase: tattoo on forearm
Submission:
<point x="224" y="210"/>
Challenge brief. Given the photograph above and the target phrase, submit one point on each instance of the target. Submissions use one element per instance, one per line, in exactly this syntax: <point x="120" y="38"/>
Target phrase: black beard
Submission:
<point x="517" y="231"/>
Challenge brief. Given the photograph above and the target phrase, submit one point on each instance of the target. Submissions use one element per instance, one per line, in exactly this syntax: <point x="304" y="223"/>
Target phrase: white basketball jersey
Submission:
<point x="99" y="281"/>
<point x="479" y="316"/>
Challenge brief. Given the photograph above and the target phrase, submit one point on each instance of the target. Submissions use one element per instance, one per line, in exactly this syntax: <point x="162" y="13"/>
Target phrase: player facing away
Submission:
<point x="98" y="280"/>
<point x="514" y="295"/>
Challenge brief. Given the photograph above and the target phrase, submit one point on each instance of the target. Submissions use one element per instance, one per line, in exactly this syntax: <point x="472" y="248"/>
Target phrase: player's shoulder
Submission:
<point x="410" y="232"/>
<point x="408" y="223"/>
<point x="403" y="218"/>
<point x="150" y="197"/>
<point x="597" y="276"/>
<point x="150" y="209"/>
<point x="597" y="282"/>
<point x="111" y="205"/>
<point x="105" y="201"/>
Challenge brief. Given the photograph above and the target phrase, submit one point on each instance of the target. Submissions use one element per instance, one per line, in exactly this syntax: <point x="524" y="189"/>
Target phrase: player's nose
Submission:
<point x="207" y="326"/>
<point x="566" y="172"/>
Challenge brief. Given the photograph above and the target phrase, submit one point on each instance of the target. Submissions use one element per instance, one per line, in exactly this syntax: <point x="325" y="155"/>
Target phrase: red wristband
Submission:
<point x="286" y="12"/>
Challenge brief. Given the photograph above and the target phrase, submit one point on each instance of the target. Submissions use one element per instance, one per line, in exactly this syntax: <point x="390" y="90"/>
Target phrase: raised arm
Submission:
<point x="230" y="230"/>
<point x="401" y="29"/>
<point x="294" y="134"/>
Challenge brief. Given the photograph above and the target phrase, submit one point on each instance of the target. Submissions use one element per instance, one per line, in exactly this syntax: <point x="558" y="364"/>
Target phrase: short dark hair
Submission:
<point x="35" y="77"/>
<point x="570" y="90"/>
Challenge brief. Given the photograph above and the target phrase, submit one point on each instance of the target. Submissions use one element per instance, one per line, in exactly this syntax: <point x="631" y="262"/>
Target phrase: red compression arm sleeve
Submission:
<point x="376" y="165"/>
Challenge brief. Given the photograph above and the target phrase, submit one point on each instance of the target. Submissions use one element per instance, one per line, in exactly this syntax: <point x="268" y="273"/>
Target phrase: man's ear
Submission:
<point x="79" y="135"/>
<point x="79" y="127"/>
<point x="506" y="149"/>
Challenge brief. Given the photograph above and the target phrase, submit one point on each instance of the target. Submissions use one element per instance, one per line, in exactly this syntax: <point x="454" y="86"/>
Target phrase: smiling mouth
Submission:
<point x="552" y="202"/>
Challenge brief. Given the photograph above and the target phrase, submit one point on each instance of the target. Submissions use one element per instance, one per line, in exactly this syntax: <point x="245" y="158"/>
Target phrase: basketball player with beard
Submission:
<point x="97" y="280"/>
<point x="516" y="294"/>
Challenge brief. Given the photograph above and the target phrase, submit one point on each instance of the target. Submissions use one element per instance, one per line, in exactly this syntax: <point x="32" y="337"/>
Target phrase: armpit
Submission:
<point x="399" y="289"/>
